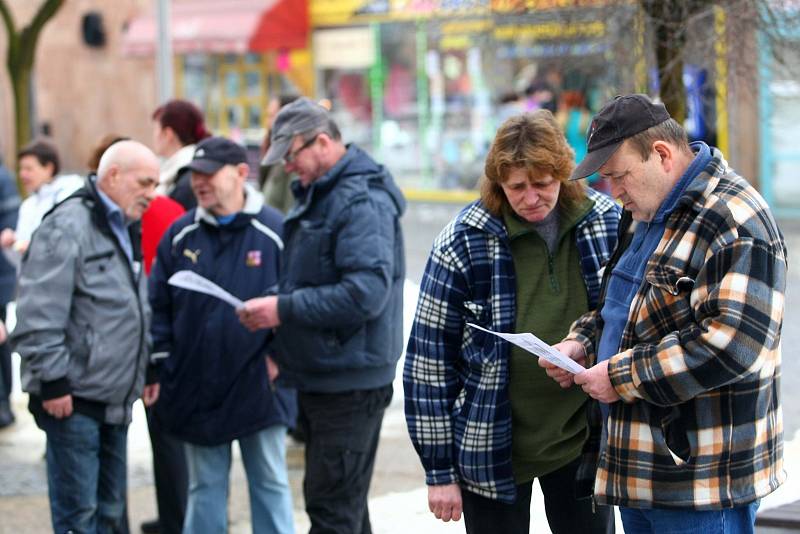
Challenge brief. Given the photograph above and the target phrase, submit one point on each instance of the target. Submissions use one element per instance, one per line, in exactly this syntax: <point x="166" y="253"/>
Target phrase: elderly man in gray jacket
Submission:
<point x="82" y="332"/>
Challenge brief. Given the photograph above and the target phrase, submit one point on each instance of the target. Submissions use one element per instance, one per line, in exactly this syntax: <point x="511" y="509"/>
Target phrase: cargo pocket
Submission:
<point x="675" y="438"/>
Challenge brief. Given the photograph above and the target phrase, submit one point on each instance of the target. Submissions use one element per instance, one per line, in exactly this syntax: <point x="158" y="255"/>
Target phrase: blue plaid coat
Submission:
<point x="456" y="378"/>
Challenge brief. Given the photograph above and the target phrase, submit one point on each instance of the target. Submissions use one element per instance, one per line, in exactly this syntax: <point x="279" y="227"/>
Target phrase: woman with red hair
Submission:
<point x="178" y="126"/>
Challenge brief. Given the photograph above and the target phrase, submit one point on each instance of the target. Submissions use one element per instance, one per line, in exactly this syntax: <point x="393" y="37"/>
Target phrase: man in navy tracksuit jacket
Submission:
<point x="216" y="381"/>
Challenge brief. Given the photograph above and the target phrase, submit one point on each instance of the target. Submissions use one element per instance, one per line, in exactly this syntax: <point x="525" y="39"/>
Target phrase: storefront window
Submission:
<point x="232" y="90"/>
<point x="401" y="130"/>
<point x="350" y="80"/>
<point x="429" y="102"/>
<point x="232" y="84"/>
<point x="784" y="130"/>
<point x="196" y="79"/>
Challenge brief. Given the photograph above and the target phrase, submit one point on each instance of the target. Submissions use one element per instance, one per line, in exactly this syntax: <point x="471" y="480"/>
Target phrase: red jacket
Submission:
<point x="163" y="211"/>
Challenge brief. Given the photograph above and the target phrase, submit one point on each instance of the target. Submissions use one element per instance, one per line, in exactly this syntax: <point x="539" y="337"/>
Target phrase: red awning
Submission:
<point x="230" y="26"/>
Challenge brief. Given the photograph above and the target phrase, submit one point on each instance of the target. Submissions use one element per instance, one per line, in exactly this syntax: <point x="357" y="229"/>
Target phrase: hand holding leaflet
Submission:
<point x="194" y="282"/>
<point x="536" y="346"/>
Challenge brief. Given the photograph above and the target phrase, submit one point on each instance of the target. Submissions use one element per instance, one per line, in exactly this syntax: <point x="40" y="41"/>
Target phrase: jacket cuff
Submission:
<point x="55" y="389"/>
<point x="441" y="477"/>
<point x="588" y="346"/>
<point x="157" y="357"/>
<point x="152" y="374"/>
<point x="623" y="377"/>
<point x="285" y="308"/>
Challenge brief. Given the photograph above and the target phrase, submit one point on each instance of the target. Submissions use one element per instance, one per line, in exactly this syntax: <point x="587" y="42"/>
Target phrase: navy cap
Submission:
<point x="213" y="153"/>
<point x="619" y="119"/>
<point x="299" y="117"/>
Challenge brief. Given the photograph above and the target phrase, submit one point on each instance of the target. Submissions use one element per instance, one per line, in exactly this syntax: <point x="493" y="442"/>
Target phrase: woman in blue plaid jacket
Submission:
<point x="483" y="416"/>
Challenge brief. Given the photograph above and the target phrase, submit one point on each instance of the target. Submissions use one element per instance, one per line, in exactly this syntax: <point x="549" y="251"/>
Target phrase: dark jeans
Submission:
<point x="86" y="473"/>
<point x="342" y="431"/>
<point x="170" y="474"/>
<point x="565" y="513"/>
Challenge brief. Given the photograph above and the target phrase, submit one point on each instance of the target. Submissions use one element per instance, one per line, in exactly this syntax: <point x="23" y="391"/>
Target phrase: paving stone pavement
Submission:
<point x="398" y="501"/>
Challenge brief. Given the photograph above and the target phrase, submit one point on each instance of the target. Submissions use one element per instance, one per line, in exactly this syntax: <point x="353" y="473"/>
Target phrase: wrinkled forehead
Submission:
<point x="143" y="173"/>
<point x="523" y="173"/>
<point x="620" y="160"/>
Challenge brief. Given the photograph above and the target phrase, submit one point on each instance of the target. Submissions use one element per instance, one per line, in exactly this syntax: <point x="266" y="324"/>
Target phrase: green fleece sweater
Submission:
<point x="548" y="422"/>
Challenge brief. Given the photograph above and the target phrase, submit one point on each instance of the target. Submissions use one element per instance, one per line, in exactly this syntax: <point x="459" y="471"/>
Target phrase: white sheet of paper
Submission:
<point x="536" y="346"/>
<point x="194" y="282"/>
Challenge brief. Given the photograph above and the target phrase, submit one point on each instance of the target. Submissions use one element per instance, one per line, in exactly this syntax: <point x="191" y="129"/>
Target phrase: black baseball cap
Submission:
<point x="301" y="116"/>
<point x="213" y="153"/>
<point x="619" y="119"/>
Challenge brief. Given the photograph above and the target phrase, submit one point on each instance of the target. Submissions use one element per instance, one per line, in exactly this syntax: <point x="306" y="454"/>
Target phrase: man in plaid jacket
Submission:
<point x="684" y="348"/>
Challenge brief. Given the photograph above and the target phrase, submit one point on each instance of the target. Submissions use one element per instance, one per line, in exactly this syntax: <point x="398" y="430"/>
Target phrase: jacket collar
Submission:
<point x="89" y="197"/>
<point x="172" y="166"/>
<point x="476" y="216"/>
<point x="698" y="190"/>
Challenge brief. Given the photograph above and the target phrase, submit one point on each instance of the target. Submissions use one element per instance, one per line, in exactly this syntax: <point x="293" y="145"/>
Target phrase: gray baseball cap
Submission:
<point x="301" y="116"/>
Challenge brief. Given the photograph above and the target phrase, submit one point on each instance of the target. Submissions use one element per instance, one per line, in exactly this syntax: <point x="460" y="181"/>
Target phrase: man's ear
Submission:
<point x="665" y="153"/>
<point x="243" y="170"/>
<point x="324" y="140"/>
<point x="112" y="176"/>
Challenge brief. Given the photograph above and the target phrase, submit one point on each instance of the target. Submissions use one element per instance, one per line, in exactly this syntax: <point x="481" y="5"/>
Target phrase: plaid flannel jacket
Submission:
<point x="699" y="425"/>
<point x="455" y="377"/>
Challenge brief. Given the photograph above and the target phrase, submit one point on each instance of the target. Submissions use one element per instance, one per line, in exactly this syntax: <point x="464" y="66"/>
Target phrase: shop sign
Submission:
<point x="352" y="48"/>
<point x="462" y="34"/>
<point x="549" y="30"/>
<point x="338" y="12"/>
<point x="517" y="6"/>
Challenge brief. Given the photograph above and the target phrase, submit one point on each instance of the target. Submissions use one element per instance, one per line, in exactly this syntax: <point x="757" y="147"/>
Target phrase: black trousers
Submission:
<point x="342" y="431"/>
<point x="565" y="513"/>
<point x="5" y="363"/>
<point x="170" y="474"/>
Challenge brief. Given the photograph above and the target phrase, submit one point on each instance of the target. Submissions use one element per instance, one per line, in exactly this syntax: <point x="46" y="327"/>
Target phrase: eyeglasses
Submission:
<point x="291" y="156"/>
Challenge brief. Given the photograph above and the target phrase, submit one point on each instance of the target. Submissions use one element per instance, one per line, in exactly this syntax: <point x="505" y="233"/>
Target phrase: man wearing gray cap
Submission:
<point x="684" y="348"/>
<point x="338" y="308"/>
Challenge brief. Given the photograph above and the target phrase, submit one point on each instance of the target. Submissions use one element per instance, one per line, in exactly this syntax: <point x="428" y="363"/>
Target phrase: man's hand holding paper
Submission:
<point x="536" y="346"/>
<point x="574" y="351"/>
<point x="261" y="312"/>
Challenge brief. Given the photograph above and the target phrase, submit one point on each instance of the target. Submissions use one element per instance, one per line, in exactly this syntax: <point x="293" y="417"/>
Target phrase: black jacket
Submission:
<point x="341" y="287"/>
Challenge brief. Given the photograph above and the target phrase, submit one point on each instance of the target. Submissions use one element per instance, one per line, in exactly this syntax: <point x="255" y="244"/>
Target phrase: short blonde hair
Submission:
<point x="532" y="141"/>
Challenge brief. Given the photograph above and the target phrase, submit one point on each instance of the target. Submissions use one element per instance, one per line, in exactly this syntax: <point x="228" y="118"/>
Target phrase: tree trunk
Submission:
<point x="20" y="82"/>
<point x="19" y="62"/>
<point x="669" y="35"/>
<point x="669" y="58"/>
<point x="670" y="19"/>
